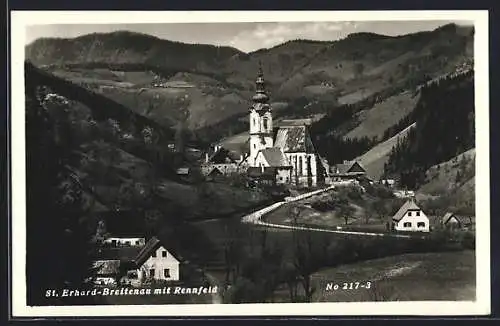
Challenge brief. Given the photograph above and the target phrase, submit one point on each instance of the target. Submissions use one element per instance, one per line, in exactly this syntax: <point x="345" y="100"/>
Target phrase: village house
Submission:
<point x="136" y="265"/>
<point x="452" y="221"/>
<point x="410" y="217"/>
<point x="348" y="170"/>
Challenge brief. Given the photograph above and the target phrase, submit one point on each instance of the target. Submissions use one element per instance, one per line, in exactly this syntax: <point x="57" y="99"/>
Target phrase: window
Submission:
<point x="154" y="254"/>
<point x="137" y="242"/>
<point x="409" y="213"/>
<point x="421" y="224"/>
<point x="166" y="273"/>
<point x="407" y="224"/>
<point x="127" y="243"/>
<point x="418" y="213"/>
<point x="164" y="253"/>
<point x="254" y="146"/>
<point x="113" y="242"/>
<point x="152" y="272"/>
<point x="132" y="275"/>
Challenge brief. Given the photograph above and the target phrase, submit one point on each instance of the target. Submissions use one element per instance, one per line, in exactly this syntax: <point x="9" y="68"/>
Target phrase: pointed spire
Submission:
<point x="261" y="95"/>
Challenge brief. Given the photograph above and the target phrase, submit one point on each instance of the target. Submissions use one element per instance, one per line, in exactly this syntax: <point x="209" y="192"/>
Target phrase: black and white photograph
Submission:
<point x="250" y="163"/>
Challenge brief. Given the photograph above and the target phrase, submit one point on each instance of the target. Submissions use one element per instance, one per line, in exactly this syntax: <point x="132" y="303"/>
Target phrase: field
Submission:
<point x="440" y="276"/>
<point x="384" y="115"/>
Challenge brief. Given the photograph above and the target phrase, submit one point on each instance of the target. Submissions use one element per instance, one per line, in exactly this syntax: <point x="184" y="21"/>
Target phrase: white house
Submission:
<point x="156" y="262"/>
<point x="135" y="265"/>
<point x="410" y="217"/>
<point x="125" y="241"/>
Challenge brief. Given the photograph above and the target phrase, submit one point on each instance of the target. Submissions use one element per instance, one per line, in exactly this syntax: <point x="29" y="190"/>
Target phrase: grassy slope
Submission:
<point x="441" y="180"/>
<point x="376" y="157"/>
<point x="293" y="69"/>
<point x="383" y="115"/>
<point x="440" y="276"/>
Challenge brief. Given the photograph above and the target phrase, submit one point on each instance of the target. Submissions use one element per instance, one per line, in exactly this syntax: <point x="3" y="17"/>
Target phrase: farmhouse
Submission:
<point x="136" y="265"/>
<point x="452" y="221"/>
<point x="348" y="170"/>
<point x="410" y="217"/>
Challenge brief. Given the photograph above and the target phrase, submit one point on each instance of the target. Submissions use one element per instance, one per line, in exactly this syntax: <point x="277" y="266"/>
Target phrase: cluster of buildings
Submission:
<point x="282" y="155"/>
<point x="131" y="259"/>
<point x="411" y="218"/>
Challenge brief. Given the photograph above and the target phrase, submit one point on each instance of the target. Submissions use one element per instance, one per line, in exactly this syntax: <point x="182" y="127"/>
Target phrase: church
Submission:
<point x="282" y="155"/>
<point x="289" y="151"/>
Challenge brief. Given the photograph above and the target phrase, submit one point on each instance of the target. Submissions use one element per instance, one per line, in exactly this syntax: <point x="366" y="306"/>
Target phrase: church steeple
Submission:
<point x="261" y="119"/>
<point x="260" y="88"/>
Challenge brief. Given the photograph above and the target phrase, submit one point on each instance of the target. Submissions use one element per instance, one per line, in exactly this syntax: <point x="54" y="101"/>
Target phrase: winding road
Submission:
<point x="256" y="217"/>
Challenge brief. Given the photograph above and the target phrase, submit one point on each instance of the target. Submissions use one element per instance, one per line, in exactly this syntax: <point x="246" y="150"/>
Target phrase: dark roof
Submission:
<point x="223" y="155"/>
<point x="463" y="220"/>
<point x="146" y="251"/>
<point x="293" y="139"/>
<point x="349" y="167"/>
<point x="408" y="206"/>
<point x="275" y="157"/>
<point x="215" y="171"/>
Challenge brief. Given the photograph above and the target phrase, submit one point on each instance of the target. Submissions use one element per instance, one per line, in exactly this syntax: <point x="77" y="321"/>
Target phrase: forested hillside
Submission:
<point x="445" y="122"/>
<point x="89" y="158"/>
<point x="205" y="85"/>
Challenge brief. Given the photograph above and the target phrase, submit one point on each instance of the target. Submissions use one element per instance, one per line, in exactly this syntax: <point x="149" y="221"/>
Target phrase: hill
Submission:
<point x="90" y="158"/>
<point x="451" y="185"/>
<point x="445" y="128"/>
<point x="375" y="159"/>
<point x="208" y="85"/>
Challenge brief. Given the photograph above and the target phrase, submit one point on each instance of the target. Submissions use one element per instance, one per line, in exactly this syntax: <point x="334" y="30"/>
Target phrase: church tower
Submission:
<point x="261" y="120"/>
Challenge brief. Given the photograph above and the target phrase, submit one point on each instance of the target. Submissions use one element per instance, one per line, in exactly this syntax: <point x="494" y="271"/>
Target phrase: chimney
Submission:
<point x="241" y="157"/>
<point x="206" y="157"/>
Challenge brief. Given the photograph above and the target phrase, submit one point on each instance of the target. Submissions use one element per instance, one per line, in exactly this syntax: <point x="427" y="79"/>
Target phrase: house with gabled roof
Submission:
<point x="410" y="217"/>
<point x="136" y="265"/>
<point x="348" y="170"/>
<point x="452" y="221"/>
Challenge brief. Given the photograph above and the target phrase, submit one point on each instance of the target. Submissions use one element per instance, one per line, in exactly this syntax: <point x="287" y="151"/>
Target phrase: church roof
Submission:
<point x="275" y="156"/>
<point x="293" y="139"/>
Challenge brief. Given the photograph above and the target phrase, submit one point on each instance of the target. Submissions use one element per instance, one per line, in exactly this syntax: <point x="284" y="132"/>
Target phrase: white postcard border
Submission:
<point x="21" y="19"/>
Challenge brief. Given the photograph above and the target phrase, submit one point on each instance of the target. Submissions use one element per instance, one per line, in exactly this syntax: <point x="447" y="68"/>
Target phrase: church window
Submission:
<point x="265" y="122"/>
<point x="300" y="165"/>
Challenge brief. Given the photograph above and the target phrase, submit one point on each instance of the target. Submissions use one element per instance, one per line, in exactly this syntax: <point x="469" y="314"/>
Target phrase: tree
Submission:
<point x="346" y="211"/>
<point x="58" y="252"/>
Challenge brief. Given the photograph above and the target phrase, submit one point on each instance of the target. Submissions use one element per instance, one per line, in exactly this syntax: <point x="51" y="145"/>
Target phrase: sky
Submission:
<point x="246" y="37"/>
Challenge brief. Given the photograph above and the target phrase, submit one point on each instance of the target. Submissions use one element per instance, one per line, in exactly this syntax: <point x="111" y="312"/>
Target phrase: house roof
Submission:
<point x="275" y="156"/>
<point x="464" y="220"/>
<point x="293" y="139"/>
<point x="107" y="267"/>
<point x="146" y="251"/>
<point x="347" y="166"/>
<point x="223" y="155"/>
<point x="408" y="206"/>
<point x="447" y="217"/>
